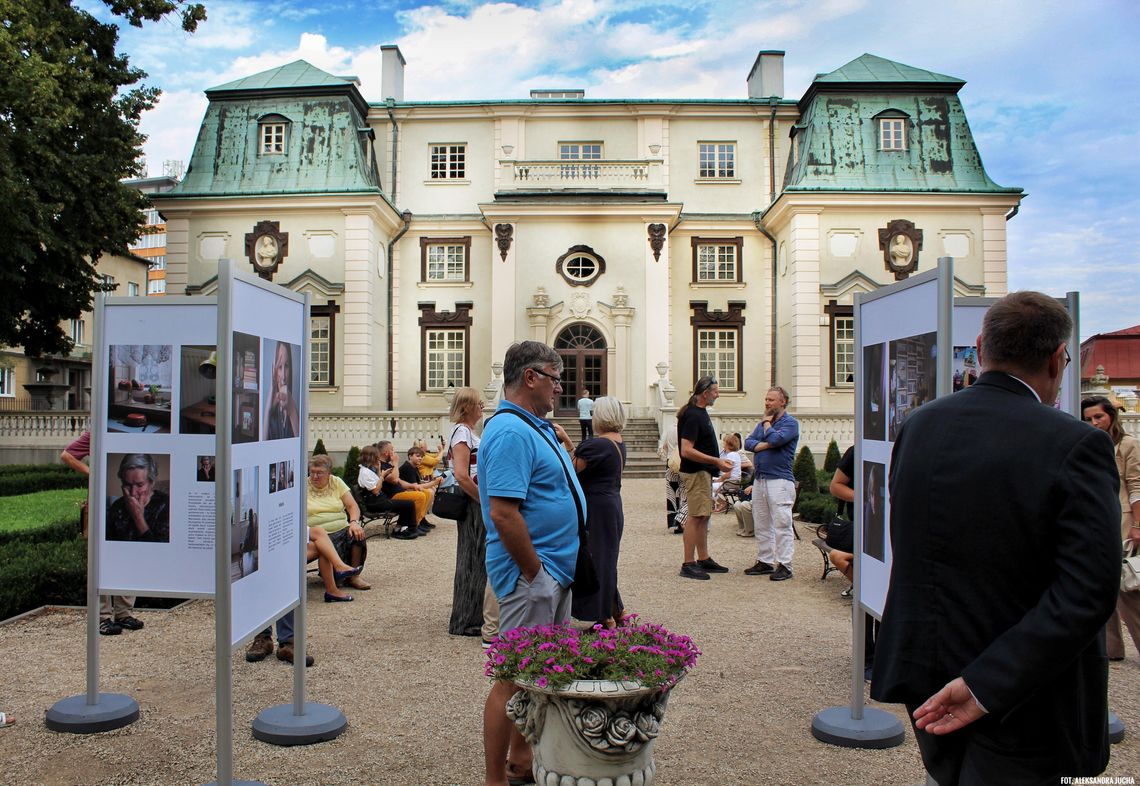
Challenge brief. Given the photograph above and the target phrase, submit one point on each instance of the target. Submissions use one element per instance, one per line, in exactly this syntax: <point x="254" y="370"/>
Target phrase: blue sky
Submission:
<point x="1051" y="93"/>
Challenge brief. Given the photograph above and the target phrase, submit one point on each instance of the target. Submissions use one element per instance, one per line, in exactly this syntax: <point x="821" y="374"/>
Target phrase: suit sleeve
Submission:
<point x="1082" y="595"/>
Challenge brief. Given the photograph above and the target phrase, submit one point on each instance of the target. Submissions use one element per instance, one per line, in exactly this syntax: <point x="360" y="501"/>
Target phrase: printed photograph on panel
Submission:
<point x="246" y="361"/>
<point x="874" y="522"/>
<point x="282" y="385"/>
<point x="874" y="402"/>
<point x="197" y="390"/>
<point x="912" y="372"/>
<point x="243" y="524"/>
<point x="138" y="497"/>
<point x="966" y="369"/>
<point x="205" y="466"/>
<point x="140" y="378"/>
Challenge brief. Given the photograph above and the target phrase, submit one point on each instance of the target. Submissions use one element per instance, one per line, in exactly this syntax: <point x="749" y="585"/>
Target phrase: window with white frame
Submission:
<point x="149" y="239"/>
<point x="77" y="334"/>
<point x="109" y="281"/>
<point x="156" y="286"/>
<point x="842" y="340"/>
<point x="717" y="355"/>
<point x="132" y="288"/>
<point x="444" y="260"/>
<point x="320" y="350"/>
<point x="449" y="162"/>
<point x="717" y="260"/>
<point x="892" y="133"/>
<point x="445" y="358"/>
<point x="152" y="216"/>
<point x="580" y="151"/>
<point x="717" y="160"/>
<point x="271" y="138"/>
<point x="7" y="382"/>
<point x="157" y="263"/>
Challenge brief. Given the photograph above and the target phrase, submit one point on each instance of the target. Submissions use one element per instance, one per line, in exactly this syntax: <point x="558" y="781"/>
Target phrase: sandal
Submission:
<point x="519" y="777"/>
<point x="6" y="720"/>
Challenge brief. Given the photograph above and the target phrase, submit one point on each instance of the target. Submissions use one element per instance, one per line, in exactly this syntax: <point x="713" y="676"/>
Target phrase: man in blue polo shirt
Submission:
<point x="525" y="481"/>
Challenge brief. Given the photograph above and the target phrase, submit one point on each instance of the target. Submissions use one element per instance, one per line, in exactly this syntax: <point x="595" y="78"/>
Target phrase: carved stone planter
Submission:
<point x="591" y="733"/>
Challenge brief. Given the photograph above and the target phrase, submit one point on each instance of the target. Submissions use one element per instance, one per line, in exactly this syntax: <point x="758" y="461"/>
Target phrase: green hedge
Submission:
<point x="816" y="508"/>
<point x="831" y="460"/>
<point x="44" y="515"/>
<point x="36" y="574"/>
<point x="804" y="471"/>
<point x="16" y="483"/>
<point x="23" y="469"/>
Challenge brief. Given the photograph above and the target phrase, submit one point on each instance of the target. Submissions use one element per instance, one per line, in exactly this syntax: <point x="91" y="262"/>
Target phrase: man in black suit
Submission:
<point x="1005" y="531"/>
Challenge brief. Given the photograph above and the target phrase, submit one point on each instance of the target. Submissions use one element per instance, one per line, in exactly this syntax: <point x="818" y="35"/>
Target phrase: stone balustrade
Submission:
<point x="602" y="175"/>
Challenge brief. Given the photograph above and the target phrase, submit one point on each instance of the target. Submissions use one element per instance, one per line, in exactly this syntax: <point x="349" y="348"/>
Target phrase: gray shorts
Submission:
<point x="541" y="602"/>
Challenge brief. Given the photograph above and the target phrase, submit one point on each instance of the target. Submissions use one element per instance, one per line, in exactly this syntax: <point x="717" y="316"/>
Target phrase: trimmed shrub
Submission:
<point x="35" y="574"/>
<point x="17" y="483"/>
<point x="803" y="470"/>
<point x="823" y="477"/>
<point x="816" y="508"/>
<point x="23" y="469"/>
<point x="43" y="516"/>
<point x="831" y="460"/>
<point x="319" y="448"/>
<point x="351" y="465"/>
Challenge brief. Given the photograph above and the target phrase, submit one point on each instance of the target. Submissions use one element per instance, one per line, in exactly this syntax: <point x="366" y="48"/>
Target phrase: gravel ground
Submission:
<point x="774" y="655"/>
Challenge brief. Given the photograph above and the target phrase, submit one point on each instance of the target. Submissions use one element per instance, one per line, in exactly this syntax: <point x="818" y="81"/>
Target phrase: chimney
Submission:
<point x="392" y="72"/>
<point x="766" y="79"/>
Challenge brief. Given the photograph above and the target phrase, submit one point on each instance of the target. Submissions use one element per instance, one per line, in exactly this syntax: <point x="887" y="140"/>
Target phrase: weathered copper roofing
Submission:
<point x="838" y="133"/>
<point x="327" y="139"/>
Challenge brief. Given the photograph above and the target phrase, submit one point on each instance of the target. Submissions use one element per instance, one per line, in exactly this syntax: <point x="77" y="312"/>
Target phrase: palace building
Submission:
<point x="650" y="241"/>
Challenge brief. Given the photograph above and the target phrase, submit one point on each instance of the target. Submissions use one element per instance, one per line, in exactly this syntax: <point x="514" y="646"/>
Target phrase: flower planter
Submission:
<point x="591" y="732"/>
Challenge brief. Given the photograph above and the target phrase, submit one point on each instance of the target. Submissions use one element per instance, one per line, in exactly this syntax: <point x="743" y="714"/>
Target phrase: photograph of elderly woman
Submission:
<point x="246" y="360"/>
<point x="138" y="497"/>
<point x="139" y="378"/>
<point x="243" y="525"/>
<point x="281" y="387"/>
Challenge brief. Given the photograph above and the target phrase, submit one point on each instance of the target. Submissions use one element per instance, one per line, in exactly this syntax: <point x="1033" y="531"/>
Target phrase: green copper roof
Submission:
<point x="871" y="68"/>
<point x="295" y="74"/>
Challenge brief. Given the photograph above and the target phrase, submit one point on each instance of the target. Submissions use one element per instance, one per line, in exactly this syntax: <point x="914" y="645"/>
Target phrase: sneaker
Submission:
<point x="782" y="573"/>
<point x="421" y="530"/>
<point x="759" y="569"/>
<point x="405" y="533"/>
<point x="693" y="570"/>
<point x="130" y="623"/>
<point x="285" y="653"/>
<point x="426" y="523"/>
<point x="867" y="673"/>
<point x="710" y="565"/>
<point x="260" y="648"/>
<point x="109" y="627"/>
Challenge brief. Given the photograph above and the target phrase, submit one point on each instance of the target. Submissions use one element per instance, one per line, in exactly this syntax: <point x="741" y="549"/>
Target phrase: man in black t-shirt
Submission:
<point x="700" y="460"/>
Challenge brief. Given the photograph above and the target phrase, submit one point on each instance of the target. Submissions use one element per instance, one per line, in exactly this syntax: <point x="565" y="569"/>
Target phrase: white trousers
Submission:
<point x="772" y="501"/>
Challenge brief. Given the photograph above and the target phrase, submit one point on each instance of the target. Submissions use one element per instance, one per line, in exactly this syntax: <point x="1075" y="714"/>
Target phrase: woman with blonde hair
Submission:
<point x="469" y="587"/>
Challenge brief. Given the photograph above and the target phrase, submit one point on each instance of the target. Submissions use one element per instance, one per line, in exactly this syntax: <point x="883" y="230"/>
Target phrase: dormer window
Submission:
<point x="892" y="130"/>
<point x="272" y="131"/>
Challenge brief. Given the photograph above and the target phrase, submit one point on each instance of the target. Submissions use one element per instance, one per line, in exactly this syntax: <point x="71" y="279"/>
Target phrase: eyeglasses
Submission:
<point x="1068" y="359"/>
<point x="552" y="377"/>
<point x="703" y="385"/>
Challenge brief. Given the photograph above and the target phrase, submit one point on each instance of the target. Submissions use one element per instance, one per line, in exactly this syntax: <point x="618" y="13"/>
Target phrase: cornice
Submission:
<point x="790" y="203"/>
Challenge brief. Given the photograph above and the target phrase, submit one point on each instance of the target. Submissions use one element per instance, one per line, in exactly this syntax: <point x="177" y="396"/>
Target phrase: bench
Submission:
<point x="824" y="550"/>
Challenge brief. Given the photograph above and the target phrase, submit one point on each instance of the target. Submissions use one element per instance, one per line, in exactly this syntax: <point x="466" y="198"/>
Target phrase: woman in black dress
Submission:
<point x="599" y="462"/>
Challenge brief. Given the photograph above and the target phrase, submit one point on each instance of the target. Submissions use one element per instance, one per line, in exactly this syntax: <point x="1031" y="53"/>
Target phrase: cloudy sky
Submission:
<point x="1051" y="93"/>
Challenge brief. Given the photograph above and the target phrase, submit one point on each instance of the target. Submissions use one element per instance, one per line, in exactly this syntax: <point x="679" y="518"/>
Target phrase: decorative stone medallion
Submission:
<point x="266" y="248"/>
<point x="900" y="242"/>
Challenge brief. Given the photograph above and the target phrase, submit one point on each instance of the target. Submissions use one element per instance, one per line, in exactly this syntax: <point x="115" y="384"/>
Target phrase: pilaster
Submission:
<point x="358" y="311"/>
<point x="994" y="256"/>
<point x="804" y="253"/>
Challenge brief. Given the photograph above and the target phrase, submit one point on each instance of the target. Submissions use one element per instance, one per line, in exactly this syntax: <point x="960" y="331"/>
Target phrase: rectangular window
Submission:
<point x="843" y="350"/>
<point x="445" y="358"/>
<point x="717" y="160"/>
<point x="156" y="286"/>
<point x="7" y="383"/>
<point x="892" y="133"/>
<point x="717" y="351"/>
<point x="132" y="289"/>
<point x="272" y="138"/>
<point x="448" y="162"/>
<point x="580" y="151"/>
<point x="716" y="263"/>
<point x="157" y="263"/>
<point x="152" y="216"/>
<point x="320" y="350"/>
<point x="77" y="332"/>
<point x="446" y="263"/>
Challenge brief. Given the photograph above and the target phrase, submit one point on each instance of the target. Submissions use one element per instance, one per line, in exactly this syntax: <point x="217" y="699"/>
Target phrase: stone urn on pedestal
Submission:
<point x="591" y="732"/>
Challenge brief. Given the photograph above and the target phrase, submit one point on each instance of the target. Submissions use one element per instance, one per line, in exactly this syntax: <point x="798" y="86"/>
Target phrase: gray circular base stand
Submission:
<point x="75" y="715"/>
<point x="279" y="726"/>
<point x="1115" y="728"/>
<point x="877" y="729"/>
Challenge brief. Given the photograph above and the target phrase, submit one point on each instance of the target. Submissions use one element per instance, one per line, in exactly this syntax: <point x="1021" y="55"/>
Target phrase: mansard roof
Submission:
<point x="872" y="69"/>
<point x="297" y="74"/>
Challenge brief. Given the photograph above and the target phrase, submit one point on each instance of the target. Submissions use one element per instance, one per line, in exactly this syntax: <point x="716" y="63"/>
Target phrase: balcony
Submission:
<point x="581" y="177"/>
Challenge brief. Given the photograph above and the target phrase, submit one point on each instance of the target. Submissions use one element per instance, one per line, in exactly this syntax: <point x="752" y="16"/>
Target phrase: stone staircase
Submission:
<point x="640" y="437"/>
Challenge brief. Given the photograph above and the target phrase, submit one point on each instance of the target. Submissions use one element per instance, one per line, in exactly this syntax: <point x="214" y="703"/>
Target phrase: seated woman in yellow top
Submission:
<point x="430" y="460"/>
<point x="334" y="516"/>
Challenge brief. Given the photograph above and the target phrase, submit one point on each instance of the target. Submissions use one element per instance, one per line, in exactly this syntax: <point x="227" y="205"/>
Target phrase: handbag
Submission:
<point x="674" y="462"/>
<point x="450" y="503"/>
<point x="840" y="535"/>
<point x="585" y="573"/>
<point x="1129" y="568"/>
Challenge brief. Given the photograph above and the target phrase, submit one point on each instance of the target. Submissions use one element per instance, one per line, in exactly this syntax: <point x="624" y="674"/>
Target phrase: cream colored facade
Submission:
<point x="645" y="309"/>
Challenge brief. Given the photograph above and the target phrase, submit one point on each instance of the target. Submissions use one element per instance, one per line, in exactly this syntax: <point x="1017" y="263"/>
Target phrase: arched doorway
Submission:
<point x="583" y="351"/>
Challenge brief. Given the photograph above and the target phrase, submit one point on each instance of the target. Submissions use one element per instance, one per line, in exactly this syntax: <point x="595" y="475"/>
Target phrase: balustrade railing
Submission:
<point x="640" y="175"/>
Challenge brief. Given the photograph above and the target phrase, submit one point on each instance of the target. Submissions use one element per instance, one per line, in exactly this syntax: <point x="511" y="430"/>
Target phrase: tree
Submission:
<point x="69" y="114"/>
<point x="352" y="465"/>
<point x="831" y="460"/>
<point x="319" y="448"/>
<point x="803" y="470"/>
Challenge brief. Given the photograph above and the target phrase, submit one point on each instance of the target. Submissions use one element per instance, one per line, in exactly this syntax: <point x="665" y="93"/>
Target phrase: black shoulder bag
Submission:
<point x="585" y="574"/>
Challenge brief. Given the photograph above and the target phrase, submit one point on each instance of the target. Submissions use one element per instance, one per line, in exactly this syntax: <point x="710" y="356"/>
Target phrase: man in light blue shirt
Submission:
<point x="526" y="480"/>
<point x="586" y="413"/>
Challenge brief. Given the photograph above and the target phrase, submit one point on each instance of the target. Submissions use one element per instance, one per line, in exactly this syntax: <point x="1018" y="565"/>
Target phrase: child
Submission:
<point x="729" y="481"/>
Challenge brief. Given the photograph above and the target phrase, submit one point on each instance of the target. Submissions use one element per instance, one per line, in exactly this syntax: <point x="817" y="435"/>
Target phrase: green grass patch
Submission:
<point x="43" y="515"/>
